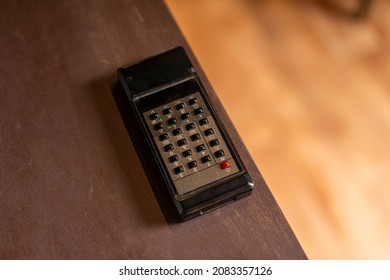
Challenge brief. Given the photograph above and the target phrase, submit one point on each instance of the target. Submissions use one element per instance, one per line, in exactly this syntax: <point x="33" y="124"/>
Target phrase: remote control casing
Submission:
<point x="193" y="157"/>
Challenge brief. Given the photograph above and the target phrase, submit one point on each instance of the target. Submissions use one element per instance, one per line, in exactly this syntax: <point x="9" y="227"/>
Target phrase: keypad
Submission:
<point x="190" y="142"/>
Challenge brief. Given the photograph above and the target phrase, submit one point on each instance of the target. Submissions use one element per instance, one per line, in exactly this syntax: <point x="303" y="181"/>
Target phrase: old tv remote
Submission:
<point x="192" y="152"/>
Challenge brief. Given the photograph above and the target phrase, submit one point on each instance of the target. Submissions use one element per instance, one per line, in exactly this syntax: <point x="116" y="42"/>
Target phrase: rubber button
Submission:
<point x="158" y="126"/>
<point x="219" y="153"/>
<point x="193" y="101"/>
<point x="190" y="126"/>
<point x="172" y="121"/>
<point x="198" y="111"/>
<point x="153" y="116"/>
<point x="192" y="164"/>
<point x="163" y="137"/>
<point x="167" y="111"/>
<point x="195" y="137"/>
<point x="179" y="170"/>
<point x="177" y="131"/>
<point x="173" y="158"/>
<point x="209" y="132"/>
<point x="181" y="142"/>
<point x="203" y="121"/>
<point x="180" y="106"/>
<point x="225" y="164"/>
<point x="168" y="148"/>
<point x="185" y="116"/>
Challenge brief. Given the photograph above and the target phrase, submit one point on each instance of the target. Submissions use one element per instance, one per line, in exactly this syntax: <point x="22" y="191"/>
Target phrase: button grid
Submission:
<point x="187" y="136"/>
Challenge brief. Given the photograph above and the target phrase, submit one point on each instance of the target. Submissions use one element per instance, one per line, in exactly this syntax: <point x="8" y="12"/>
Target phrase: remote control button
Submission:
<point x="187" y="153"/>
<point x="195" y="137"/>
<point x="167" y="111"/>
<point x="168" y="148"/>
<point x="209" y="132"/>
<point x="153" y="116"/>
<point x="173" y="158"/>
<point x="214" y="142"/>
<point x="203" y="121"/>
<point x="185" y="116"/>
<point x="179" y="169"/>
<point x="158" y="126"/>
<point x="200" y="148"/>
<point x="198" y="111"/>
<point x="181" y="142"/>
<point x="192" y="164"/>
<point x="193" y="101"/>
<point x="190" y="126"/>
<point x="180" y="106"/>
<point x="225" y="164"/>
<point x="205" y="159"/>
<point x="163" y="137"/>
<point x="172" y="121"/>
<point x="177" y="131"/>
<point x="219" y="153"/>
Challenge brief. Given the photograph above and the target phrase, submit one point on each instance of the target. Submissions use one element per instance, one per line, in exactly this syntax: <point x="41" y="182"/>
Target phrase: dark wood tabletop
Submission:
<point x="71" y="183"/>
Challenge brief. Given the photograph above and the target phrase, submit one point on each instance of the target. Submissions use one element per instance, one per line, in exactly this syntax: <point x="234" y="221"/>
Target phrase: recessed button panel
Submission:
<point x="190" y="143"/>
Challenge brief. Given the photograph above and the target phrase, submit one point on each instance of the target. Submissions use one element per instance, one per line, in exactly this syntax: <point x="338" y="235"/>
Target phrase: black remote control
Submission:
<point x="194" y="157"/>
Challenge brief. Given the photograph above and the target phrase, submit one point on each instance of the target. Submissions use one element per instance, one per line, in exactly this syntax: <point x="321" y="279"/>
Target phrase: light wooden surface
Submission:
<point x="309" y="92"/>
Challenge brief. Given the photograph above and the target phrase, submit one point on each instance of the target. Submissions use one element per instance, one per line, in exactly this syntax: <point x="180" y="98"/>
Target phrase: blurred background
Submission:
<point x="307" y="85"/>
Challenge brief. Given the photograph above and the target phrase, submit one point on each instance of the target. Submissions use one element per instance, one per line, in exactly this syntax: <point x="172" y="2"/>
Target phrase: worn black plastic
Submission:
<point x="158" y="80"/>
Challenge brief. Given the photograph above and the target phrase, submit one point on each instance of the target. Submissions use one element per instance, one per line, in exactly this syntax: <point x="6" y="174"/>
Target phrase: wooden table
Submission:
<point x="71" y="183"/>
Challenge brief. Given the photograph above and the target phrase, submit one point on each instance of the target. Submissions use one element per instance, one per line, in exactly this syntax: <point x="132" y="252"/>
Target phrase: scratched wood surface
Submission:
<point x="71" y="183"/>
<point x="308" y="90"/>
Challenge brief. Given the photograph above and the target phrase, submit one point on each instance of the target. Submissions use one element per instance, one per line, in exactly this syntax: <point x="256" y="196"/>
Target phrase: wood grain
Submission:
<point x="72" y="186"/>
<point x="308" y="90"/>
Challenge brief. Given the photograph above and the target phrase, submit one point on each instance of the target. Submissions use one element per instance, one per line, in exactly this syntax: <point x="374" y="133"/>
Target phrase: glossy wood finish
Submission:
<point x="72" y="186"/>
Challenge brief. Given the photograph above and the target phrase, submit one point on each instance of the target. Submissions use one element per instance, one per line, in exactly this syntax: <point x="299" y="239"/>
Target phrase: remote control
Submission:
<point x="196" y="161"/>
